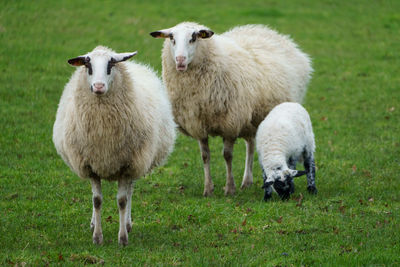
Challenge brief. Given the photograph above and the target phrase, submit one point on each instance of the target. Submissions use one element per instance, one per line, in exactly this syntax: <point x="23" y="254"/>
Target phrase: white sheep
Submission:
<point x="114" y="122"/>
<point x="283" y="138"/>
<point x="226" y="85"/>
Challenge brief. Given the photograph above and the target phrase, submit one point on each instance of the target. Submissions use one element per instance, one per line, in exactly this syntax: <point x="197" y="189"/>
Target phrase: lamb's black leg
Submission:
<point x="309" y="166"/>
<point x="267" y="193"/>
<point x="292" y="164"/>
<point x="267" y="188"/>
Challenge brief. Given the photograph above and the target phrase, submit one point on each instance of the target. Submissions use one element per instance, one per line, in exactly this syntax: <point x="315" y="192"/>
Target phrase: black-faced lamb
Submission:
<point x="114" y="122"/>
<point x="283" y="138"/>
<point x="224" y="85"/>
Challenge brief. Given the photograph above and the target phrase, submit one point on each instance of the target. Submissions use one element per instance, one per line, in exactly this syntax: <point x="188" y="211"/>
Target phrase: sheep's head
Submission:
<point x="183" y="39"/>
<point x="281" y="180"/>
<point x="99" y="67"/>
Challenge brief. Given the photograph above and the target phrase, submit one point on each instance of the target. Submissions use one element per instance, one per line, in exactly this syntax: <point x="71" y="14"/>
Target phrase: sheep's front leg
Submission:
<point x="248" y="171"/>
<point x="266" y="186"/>
<point x="230" y="186"/>
<point x="309" y="165"/>
<point x="205" y="154"/>
<point x="96" y="215"/>
<point x="122" y="200"/>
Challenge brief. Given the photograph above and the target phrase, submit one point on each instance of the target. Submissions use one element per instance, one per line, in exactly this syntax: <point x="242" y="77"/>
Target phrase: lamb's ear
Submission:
<point x="268" y="180"/>
<point x="267" y="184"/>
<point x="77" y="61"/>
<point x="161" y="34"/>
<point x="123" y="56"/>
<point x="299" y="173"/>
<point x="205" y="34"/>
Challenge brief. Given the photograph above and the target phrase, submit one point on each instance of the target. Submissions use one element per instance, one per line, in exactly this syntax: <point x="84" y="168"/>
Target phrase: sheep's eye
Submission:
<point x="171" y="37"/>
<point x="194" y="37"/>
<point x="88" y="65"/>
<point x="110" y="64"/>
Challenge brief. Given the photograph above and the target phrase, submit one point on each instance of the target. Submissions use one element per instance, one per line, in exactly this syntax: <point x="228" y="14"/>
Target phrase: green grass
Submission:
<point x="353" y="101"/>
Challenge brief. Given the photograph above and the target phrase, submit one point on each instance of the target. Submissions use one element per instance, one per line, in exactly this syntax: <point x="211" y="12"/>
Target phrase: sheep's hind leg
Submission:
<point x="230" y="186"/>
<point x="122" y="200"/>
<point x="248" y="171"/>
<point x="96" y="215"/>
<point x="309" y="165"/>
<point x="92" y="221"/>
<point x="205" y="154"/>
<point x="292" y="164"/>
<point x="129" y="207"/>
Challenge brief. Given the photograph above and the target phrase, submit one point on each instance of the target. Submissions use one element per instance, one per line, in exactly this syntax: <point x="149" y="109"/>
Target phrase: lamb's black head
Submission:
<point x="284" y="188"/>
<point x="281" y="181"/>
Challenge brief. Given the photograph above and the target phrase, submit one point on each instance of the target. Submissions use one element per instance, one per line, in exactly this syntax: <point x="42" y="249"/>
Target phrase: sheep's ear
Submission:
<point x="205" y="34"/>
<point x="123" y="56"/>
<point x="161" y="34"/>
<point x="299" y="173"/>
<point x="267" y="184"/>
<point x="77" y="61"/>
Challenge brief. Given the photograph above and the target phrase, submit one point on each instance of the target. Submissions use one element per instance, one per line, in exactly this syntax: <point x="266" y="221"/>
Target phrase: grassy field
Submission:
<point x="353" y="100"/>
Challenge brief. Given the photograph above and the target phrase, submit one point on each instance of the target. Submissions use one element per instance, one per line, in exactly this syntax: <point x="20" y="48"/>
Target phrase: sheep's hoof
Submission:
<point x="98" y="239"/>
<point x="207" y="193"/>
<point x="129" y="227"/>
<point x="246" y="184"/>
<point x="208" y="190"/>
<point x="285" y="197"/>
<point x="267" y="197"/>
<point x="230" y="190"/>
<point x="123" y="240"/>
<point x="312" y="189"/>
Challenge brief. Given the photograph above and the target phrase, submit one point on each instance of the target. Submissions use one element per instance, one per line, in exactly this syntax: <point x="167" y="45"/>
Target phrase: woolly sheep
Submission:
<point x="284" y="138"/>
<point x="226" y="85"/>
<point x="114" y="122"/>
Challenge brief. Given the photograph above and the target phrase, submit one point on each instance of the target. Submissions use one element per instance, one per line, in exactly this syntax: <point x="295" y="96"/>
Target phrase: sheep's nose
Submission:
<point x="99" y="86"/>
<point x="181" y="63"/>
<point x="180" y="59"/>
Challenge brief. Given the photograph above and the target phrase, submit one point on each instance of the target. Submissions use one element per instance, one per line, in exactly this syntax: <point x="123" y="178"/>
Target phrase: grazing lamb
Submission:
<point x="224" y="85"/>
<point x="114" y="122"/>
<point x="284" y="138"/>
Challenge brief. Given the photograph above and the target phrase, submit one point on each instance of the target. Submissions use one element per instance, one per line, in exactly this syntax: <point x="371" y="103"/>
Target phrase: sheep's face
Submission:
<point x="183" y="39"/>
<point x="99" y="68"/>
<point x="281" y="180"/>
<point x="284" y="188"/>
